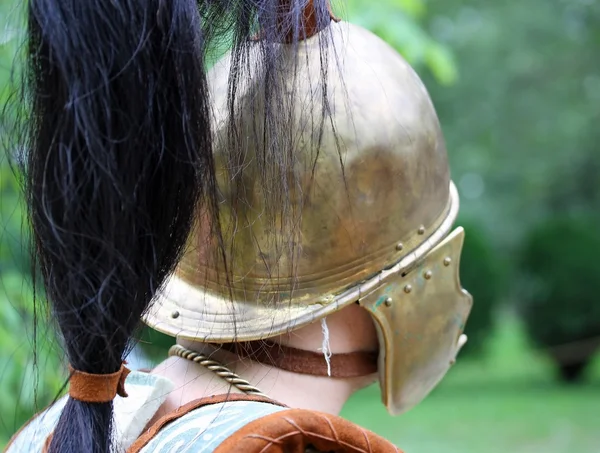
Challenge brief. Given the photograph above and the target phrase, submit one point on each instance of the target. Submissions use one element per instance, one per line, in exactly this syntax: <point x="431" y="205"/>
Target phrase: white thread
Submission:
<point x="326" y="348"/>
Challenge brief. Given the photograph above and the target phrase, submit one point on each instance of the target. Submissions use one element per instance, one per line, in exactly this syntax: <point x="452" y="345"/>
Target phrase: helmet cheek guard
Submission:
<point x="420" y="315"/>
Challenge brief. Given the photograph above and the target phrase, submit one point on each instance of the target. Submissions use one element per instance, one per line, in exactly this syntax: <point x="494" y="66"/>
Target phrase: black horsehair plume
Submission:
<point x="118" y="156"/>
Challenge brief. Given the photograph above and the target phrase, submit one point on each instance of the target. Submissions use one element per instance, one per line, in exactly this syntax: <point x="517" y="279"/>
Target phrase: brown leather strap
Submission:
<point x="97" y="388"/>
<point x="143" y="440"/>
<point x="47" y="442"/>
<point x="310" y="25"/>
<point x="294" y="430"/>
<point x="353" y="364"/>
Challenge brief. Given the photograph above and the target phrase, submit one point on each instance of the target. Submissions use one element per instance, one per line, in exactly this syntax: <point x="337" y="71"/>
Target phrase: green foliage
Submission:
<point x="26" y="385"/>
<point x="521" y="129"/>
<point x="31" y="373"/>
<point x="521" y="120"/>
<point x="154" y="344"/>
<point x="398" y="22"/>
<point x="481" y="274"/>
<point x="561" y="262"/>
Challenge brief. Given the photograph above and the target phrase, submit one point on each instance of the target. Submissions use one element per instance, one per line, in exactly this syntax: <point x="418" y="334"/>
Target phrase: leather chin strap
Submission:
<point x="348" y="365"/>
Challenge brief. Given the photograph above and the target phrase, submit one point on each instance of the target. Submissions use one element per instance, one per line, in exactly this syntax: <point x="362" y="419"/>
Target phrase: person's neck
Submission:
<point x="349" y="331"/>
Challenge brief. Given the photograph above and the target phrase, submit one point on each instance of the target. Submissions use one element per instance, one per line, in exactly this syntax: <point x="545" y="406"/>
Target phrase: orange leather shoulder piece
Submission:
<point x="292" y="431"/>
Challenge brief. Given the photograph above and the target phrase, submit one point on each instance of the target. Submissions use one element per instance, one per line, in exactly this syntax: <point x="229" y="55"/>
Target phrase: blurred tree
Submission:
<point x="561" y="312"/>
<point x="31" y="372"/>
<point x="481" y="273"/>
<point x="400" y="24"/>
<point x="521" y="128"/>
<point x="521" y="118"/>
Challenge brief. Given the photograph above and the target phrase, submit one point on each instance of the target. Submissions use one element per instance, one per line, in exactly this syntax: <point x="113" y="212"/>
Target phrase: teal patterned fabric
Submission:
<point x="202" y="430"/>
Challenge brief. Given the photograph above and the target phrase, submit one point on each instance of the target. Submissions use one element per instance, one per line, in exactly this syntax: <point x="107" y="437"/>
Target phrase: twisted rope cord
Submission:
<point x="219" y="369"/>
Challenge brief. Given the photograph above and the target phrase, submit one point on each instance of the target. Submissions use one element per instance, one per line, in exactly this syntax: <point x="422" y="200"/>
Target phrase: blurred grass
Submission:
<point x="508" y="401"/>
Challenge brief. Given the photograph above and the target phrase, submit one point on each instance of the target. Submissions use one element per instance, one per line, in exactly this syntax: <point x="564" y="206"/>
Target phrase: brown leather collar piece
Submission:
<point x="353" y="364"/>
<point x="97" y="388"/>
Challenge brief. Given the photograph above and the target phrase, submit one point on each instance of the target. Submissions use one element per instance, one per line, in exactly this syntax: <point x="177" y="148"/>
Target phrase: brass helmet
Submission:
<point x="377" y="206"/>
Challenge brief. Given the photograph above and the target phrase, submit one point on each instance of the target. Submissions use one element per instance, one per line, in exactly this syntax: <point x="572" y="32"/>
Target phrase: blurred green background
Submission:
<point x="517" y="88"/>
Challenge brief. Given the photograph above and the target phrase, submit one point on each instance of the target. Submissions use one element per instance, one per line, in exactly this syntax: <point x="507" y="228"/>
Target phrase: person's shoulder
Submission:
<point x="241" y="423"/>
<point x="203" y="424"/>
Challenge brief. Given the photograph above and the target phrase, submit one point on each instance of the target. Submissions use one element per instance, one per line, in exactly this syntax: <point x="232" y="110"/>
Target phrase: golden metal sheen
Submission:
<point x="374" y="227"/>
<point x="396" y="182"/>
<point x="420" y="332"/>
